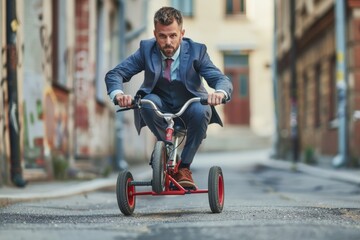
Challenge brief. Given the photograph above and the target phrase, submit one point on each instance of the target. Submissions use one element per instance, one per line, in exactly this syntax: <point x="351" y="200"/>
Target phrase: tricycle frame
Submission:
<point x="165" y="163"/>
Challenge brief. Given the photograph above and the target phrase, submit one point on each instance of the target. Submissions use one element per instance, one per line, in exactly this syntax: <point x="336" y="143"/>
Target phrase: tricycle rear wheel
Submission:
<point x="125" y="193"/>
<point x="216" y="191"/>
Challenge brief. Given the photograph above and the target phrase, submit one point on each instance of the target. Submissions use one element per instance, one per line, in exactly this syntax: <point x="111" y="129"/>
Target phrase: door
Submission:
<point x="237" y="111"/>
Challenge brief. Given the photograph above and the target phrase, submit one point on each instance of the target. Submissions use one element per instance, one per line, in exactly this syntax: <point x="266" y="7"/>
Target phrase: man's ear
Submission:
<point x="182" y="33"/>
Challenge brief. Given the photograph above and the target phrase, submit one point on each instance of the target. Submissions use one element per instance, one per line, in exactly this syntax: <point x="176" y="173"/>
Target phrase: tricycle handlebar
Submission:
<point x="138" y="102"/>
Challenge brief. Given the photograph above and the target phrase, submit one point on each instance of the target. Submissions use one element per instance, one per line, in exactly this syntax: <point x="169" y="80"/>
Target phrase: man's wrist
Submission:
<point x="113" y="94"/>
<point x="222" y="91"/>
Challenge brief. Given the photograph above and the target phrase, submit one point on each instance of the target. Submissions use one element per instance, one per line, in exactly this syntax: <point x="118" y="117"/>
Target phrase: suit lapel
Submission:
<point x="156" y="60"/>
<point x="184" y="58"/>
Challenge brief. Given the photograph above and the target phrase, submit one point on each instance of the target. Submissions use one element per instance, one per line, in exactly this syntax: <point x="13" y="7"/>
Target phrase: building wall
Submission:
<point x="316" y="62"/>
<point x="137" y="148"/>
<point x="250" y="34"/>
<point x="65" y="113"/>
<point x="354" y="79"/>
<point x="323" y="136"/>
<point x="4" y="137"/>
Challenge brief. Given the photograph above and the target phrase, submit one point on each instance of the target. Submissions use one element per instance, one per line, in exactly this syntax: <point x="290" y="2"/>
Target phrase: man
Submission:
<point x="173" y="68"/>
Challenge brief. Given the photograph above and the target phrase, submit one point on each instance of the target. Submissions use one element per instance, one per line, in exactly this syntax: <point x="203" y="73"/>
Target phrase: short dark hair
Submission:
<point x="167" y="15"/>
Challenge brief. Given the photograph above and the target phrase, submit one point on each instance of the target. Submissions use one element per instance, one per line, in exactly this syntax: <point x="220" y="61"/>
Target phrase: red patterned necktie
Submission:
<point x="167" y="72"/>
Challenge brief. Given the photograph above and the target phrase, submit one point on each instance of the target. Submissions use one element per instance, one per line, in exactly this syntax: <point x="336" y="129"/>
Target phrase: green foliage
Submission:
<point x="354" y="162"/>
<point x="60" y="167"/>
<point x="309" y="156"/>
<point x="107" y="171"/>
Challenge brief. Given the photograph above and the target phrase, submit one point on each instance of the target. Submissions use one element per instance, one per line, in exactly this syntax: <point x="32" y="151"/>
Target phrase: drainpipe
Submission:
<point x="275" y="150"/>
<point x="341" y="82"/>
<point x="14" y="127"/>
<point x="293" y="88"/>
<point x="120" y="162"/>
<point x="124" y="38"/>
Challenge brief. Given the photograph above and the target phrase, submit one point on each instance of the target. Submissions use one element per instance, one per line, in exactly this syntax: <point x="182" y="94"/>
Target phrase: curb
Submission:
<point x="334" y="174"/>
<point x="67" y="190"/>
<point x="79" y="188"/>
<point x="142" y="172"/>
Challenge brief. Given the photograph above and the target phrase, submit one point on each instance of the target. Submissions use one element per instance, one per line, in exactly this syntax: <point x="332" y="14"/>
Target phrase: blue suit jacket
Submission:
<point x="195" y="63"/>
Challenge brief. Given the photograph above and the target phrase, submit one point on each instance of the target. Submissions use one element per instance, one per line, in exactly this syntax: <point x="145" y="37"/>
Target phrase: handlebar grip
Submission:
<point x="116" y="102"/>
<point x="204" y="101"/>
<point x="133" y="106"/>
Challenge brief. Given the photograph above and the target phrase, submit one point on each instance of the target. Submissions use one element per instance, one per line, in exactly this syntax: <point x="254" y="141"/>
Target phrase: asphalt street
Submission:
<point x="261" y="202"/>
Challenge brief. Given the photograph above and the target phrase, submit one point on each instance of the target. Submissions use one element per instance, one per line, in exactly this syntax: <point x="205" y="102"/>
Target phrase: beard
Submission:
<point x="168" y="50"/>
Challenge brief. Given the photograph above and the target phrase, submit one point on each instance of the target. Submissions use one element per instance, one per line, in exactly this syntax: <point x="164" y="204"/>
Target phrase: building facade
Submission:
<point x="62" y="49"/>
<point x="58" y="57"/>
<point x="308" y="80"/>
<point x="240" y="44"/>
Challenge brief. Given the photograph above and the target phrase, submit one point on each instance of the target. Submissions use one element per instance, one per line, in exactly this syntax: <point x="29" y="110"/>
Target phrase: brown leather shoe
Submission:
<point x="184" y="178"/>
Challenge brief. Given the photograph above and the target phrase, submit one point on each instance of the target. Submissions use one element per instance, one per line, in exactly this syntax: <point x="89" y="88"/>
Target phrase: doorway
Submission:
<point x="237" y="111"/>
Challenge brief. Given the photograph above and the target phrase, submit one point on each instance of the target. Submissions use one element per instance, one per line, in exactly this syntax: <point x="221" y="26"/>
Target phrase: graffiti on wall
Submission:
<point x="34" y="82"/>
<point x="46" y="59"/>
<point x="10" y="60"/>
<point x="45" y="110"/>
<point x="3" y="126"/>
<point x="82" y="91"/>
<point x="92" y="128"/>
<point x="56" y="123"/>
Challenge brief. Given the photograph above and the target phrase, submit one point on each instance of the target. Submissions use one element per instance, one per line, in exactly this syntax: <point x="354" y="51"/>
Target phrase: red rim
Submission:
<point x="130" y="193"/>
<point x="221" y="190"/>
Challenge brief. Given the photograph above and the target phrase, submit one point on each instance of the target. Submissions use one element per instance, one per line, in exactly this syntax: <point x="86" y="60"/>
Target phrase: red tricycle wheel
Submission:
<point x="125" y="193"/>
<point x="216" y="190"/>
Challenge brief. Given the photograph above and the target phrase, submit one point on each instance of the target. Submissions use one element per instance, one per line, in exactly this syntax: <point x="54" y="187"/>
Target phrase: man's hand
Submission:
<point x="215" y="98"/>
<point x="123" y="100"/>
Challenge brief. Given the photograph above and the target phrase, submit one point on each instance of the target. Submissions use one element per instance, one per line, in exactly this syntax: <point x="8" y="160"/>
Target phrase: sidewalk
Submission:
<point x="57" y="189"/>
<point x="47" y="190"/>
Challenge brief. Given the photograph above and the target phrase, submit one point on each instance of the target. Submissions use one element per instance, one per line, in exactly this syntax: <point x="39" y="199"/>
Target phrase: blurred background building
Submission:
<point x="318" y="81"/>
<point x="55" y="114"/>
<point x="293" y="64"/>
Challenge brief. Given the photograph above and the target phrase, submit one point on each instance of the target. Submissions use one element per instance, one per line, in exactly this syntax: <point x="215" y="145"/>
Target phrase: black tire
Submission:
<point x="159" y="167"/>
<point x="216" y="189"/>
<point x="125" y="193"/>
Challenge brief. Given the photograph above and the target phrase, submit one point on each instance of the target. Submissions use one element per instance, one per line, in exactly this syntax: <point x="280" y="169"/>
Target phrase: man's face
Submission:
<point x="168" y="37"/>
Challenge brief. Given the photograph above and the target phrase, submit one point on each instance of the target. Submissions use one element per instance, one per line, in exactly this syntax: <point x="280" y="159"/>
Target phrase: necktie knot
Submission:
<point x="167" y="72"/>
<point x="169" y="61"/>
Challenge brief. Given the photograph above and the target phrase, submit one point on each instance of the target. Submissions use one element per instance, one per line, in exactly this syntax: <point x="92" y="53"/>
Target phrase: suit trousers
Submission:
<point x="195" y="119"/>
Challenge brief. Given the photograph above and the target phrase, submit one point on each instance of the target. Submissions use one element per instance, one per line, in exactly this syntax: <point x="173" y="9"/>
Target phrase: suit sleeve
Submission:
<point x="123" y="72"/>
<point x="212" y="75"/>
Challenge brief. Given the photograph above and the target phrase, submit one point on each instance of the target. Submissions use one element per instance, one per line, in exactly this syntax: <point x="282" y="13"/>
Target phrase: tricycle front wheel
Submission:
<point x="216" y="191"/>
<point x="159" y="167"/>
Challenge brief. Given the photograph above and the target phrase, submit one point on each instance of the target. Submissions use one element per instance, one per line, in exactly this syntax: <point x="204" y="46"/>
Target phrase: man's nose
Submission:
<point x="168" y="40"/>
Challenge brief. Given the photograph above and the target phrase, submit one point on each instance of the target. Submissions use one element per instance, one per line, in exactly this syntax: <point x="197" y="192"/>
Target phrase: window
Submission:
<point x="243" y="83"/>
<point x="317" y="103"/>
<point x="101" y="53"/>
<point x="332" y="90"/>
<point x="62" y="62"/>
<point x="305" y="99"/>
<point x="107" y="47"/>
<point x="185" y="6"/>
<point x="236" y="60"/>
<point x="235" y="7"/>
